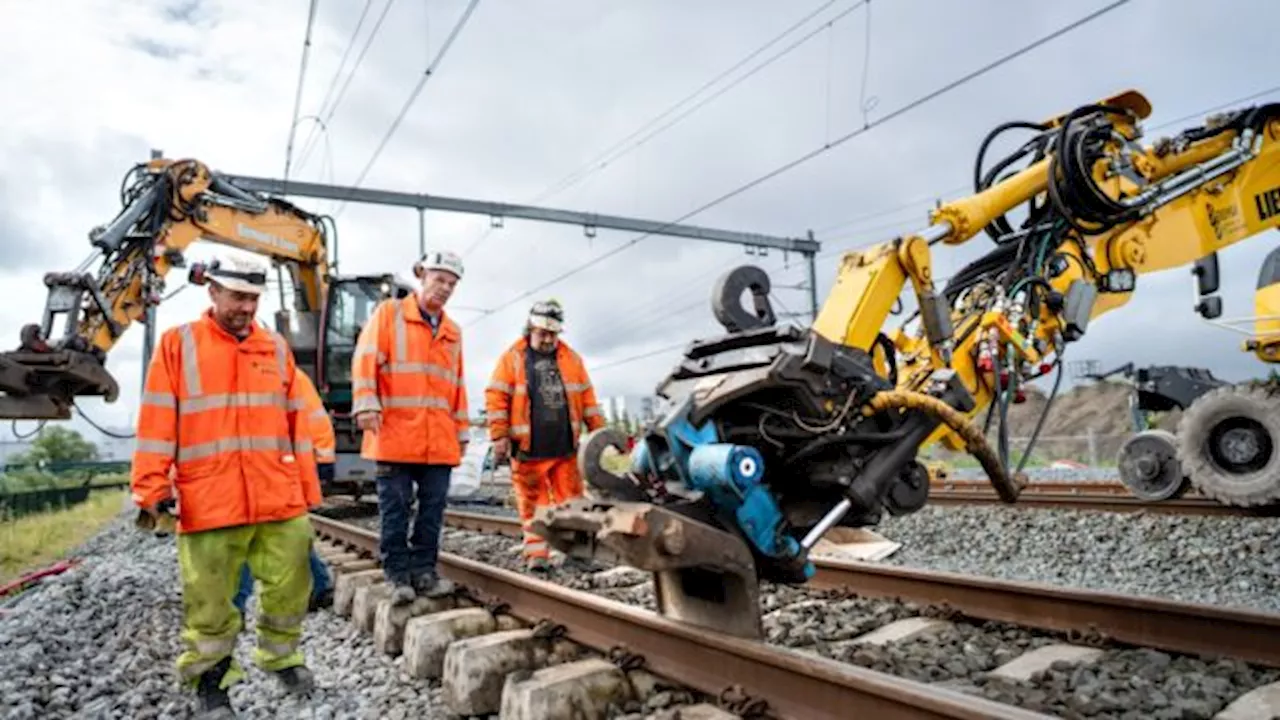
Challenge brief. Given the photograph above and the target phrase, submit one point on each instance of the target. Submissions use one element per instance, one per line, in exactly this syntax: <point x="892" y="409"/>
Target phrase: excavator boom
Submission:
<point x="168" y="205"/>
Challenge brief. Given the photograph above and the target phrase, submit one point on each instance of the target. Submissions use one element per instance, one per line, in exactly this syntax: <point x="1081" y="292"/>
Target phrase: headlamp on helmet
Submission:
<point x="547" y="315"/>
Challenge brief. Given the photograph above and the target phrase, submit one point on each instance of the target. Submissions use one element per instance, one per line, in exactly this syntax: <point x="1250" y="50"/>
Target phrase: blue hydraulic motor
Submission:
<point x="728" y="475"/>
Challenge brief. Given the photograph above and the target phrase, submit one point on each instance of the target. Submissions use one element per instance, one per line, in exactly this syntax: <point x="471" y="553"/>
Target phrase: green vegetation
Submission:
<point x="35" y="541"/>
<point x="59" y="458"/>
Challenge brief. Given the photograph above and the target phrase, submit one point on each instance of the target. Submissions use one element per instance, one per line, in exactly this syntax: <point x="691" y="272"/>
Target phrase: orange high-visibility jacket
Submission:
<point x="224" y="413"/>
<point x="317" y="417"/>
<point x="416" y="380"/>
<point x="506" y="398"/>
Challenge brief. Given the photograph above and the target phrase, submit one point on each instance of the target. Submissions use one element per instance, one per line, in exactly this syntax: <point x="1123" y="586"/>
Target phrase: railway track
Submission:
<point x="797" y="683"/>
<point x="778" y="683"/>
<point x="1108" y="497"/>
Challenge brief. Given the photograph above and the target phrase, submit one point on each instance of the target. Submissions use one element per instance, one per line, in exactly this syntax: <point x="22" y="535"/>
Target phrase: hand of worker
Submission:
<point x="501" y="450"/>
<point x="369" y="420"/>
<point x="325" y="471"/>
<point x="162" y="519"/>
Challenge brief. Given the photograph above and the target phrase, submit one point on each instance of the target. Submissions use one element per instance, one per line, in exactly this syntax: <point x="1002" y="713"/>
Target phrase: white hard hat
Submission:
<point x="242" y="274"/>
<point x="439" y="260"/>
<point x="547" y="315"/>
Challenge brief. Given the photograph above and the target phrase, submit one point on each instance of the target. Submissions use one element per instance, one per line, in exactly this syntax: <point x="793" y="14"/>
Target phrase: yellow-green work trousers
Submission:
<point x="210" y="562"/>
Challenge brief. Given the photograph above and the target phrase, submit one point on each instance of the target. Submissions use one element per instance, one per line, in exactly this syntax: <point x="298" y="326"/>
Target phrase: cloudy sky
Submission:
<point x="552" y="103"/>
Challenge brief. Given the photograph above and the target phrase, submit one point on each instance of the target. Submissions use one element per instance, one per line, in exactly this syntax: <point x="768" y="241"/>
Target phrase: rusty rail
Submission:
<point x="795" y="685"/>
<point x="1128" y="620"/>
<point x="1104" y="501"/>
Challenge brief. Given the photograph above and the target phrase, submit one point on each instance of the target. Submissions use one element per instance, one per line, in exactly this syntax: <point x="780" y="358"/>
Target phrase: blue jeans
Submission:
<point x="320" y="581"/>
<point x="409" y="555"/>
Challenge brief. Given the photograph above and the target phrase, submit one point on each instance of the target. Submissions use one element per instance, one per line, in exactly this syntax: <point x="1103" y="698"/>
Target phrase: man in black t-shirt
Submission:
<point x="538" y="402"/>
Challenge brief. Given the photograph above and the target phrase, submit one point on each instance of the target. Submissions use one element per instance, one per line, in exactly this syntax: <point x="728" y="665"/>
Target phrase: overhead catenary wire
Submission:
<point x="427" y="74"/>
<point x="792" y="164"/>
<point x="603" y="159"/>
<point x="297" y="96"/>
<point x="640" y="356"/>
<point x="328" y="116"/>
<point x="333" y="82"/>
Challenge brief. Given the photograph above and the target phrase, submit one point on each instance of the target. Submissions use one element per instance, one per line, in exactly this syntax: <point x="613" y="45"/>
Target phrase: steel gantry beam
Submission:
<point x="420" y="201"/>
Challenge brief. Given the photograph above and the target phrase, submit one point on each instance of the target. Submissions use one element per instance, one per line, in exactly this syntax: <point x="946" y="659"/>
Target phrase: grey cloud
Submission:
<point x="158" y="49"/>
<point x="198" y="13"/>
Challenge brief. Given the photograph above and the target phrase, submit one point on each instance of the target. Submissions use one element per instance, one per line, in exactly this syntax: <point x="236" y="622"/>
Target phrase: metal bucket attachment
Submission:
<point x="43" y="385"/>
<point x="702" y="576"/>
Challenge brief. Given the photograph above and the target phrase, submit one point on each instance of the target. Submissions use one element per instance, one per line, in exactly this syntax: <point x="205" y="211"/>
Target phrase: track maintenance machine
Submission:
<point x="776" y="434"/>
<point x="1148" y="460"/>
<point x="168" y="205"/>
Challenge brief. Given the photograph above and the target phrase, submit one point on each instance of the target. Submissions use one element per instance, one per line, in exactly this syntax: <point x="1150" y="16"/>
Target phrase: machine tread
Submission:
<point x="1256" y="401"/>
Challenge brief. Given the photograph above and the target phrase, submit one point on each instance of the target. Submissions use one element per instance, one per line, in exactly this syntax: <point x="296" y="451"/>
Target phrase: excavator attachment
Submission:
<point x="43" y="386"/>
<point x="41" y="381"/>
<point x="702" y="576"/>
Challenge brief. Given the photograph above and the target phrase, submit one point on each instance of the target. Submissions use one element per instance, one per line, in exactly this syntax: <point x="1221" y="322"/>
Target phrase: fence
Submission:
<point x="32" y="488"/>
<point x="14" y="505"/>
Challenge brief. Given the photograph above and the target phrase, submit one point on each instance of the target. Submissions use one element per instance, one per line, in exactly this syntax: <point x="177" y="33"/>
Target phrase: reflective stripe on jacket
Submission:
<point x="506" y="399"/>
<point x="416" y="380"/>
<point x="318" y="421"/>
<point x="223" y="415"/>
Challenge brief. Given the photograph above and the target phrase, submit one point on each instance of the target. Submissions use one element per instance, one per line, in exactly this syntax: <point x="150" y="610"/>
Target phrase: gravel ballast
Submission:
<point x="1215" y="560"/>
<point x="1024" y="543"/>
<point x="100" y="640"/>
<point x="1224" y="560"/>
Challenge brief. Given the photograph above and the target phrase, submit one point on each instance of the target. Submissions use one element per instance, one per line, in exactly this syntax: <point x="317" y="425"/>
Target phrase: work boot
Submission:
<point x="212" y="702"/>
<point x="297" y="680"/>
<point x="322" y="600"/>
<point x="539" y="565"/>
<point x="402" y="593"/>
<point x="432" y="585"/>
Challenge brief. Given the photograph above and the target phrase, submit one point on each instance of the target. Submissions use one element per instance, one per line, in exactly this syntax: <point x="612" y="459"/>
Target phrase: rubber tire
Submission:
<point x="1251" y="490"/>
<point x="1172" y="492"/>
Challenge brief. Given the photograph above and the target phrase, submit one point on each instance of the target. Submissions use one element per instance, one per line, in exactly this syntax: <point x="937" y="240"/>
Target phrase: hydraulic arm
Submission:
<point x="167" y="205"/>
<point x="778" y="434"/>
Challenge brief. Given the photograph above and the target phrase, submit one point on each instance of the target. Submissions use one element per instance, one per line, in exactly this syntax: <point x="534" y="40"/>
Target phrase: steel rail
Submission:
<point x="1051" y="487"/>
<point x="1105" y="502"/>
<point x="1129" y="620"/>
<point x="795" y="684"/>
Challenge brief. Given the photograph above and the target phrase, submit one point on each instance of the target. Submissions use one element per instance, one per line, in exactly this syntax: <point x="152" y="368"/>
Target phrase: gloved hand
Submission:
<point x="325" y="471"/>
<point x="162" y="520"/>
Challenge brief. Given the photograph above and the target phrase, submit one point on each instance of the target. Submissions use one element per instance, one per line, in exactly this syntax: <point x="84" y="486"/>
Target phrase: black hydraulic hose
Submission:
<point x="999" y="226"/>
<point x="1074" y="195"/>
<point x="1035" y="434"/>
<point x="820" y="443"/>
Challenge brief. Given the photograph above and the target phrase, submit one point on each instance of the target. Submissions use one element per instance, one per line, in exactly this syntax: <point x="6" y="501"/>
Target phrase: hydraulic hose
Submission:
<point x="1007" y="487"/>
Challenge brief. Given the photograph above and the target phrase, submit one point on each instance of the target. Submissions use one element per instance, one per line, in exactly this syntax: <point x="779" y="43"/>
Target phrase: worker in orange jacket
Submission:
<point x="538" y="401"/>
<point x="410" y="399"/>
<point x="219" y="405"/>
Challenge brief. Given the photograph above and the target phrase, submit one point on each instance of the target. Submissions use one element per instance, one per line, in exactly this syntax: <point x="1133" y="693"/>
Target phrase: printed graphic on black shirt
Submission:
<point x="549" y="409"/>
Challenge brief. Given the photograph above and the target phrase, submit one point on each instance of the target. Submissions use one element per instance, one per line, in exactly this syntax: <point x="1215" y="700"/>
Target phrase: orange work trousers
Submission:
<point x="539" y="483"/>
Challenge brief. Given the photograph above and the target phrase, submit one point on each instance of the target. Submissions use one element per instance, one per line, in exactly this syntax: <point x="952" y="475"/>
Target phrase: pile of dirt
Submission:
<point x="1086" y="424"/>
<point x="1102" y="407"/>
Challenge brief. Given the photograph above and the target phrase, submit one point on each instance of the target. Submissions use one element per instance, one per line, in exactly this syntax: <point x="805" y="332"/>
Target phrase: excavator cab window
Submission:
<point x="351" y="302"/>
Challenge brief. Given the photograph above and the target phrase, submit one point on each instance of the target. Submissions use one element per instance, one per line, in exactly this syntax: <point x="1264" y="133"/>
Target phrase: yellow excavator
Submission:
<point x="166" y="206"/>
<point x="777" y="434"/>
